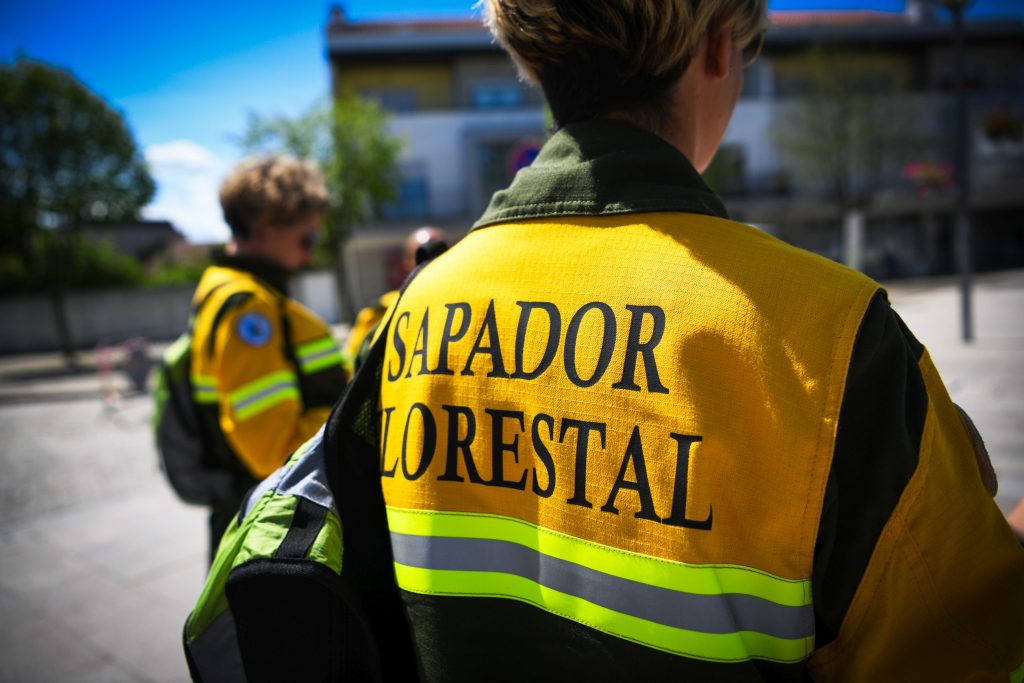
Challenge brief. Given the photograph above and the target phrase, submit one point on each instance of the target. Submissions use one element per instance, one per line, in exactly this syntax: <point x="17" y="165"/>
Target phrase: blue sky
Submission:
<point x="186" y="73"/>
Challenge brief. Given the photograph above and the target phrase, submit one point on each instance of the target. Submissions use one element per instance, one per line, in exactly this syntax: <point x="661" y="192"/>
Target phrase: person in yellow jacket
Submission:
<point x="623" y="437"/>
<point x="265" y="369"/>
<point x="619" y="436"/>
<point x="370" y="316"/>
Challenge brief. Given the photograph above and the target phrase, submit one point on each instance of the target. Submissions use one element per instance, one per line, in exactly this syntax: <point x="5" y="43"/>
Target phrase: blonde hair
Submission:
<point x="275" y="189"/>
<point x="592" y="56"/>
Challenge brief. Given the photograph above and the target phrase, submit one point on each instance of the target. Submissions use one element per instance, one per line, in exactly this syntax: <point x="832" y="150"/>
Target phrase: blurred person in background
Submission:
<point x="266" y="369"/>
<point x="369" y="317"/>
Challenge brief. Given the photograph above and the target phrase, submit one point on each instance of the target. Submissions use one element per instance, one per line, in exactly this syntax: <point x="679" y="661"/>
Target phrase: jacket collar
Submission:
<point x="603" y="167"/>
<point x="271" y="273"/>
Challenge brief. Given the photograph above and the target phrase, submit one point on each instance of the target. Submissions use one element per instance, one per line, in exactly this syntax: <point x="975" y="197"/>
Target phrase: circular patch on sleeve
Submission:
<point x="254" y="329"/>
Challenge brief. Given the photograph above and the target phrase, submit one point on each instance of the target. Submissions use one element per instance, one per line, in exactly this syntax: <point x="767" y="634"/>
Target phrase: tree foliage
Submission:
<point x="349" y="140"/>
<point x="95" y="264"/>
<point x="65" y="155"/>
<point x="849" y="127"/>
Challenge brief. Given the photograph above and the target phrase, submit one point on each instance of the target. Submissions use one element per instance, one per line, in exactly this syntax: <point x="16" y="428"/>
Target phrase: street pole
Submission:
<point x="961" y="169"/>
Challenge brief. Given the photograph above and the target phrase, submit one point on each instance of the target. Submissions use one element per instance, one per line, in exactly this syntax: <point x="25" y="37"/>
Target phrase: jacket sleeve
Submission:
<point x="261" y="410"/>
<point x="917" y="575"/>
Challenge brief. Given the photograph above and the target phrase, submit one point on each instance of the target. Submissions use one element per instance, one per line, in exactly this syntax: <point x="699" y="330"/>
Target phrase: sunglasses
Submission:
<point x="310" y="239"/>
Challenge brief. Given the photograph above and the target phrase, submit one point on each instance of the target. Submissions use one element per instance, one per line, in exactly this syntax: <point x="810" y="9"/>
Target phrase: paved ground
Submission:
<point x="99" y="563"/>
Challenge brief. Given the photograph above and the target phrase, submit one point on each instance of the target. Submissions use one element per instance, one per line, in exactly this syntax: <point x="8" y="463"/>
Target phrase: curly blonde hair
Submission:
<point x="591" y="57"/>
<point x="275" y="189"/>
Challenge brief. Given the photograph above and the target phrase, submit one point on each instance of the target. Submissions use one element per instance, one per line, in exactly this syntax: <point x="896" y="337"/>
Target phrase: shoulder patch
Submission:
<point x="254" y="329"/>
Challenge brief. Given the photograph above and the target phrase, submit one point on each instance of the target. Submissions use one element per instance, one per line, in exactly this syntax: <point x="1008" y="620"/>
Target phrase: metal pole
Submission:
<point x="960" y="162"/>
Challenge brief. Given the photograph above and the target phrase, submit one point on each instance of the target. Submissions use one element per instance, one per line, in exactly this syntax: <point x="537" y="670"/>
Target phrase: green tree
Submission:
<point x="65" y="156"/>
<point x="848" y="126"/>
<point x="349" y="140"/>
<point x="848" y="129"/>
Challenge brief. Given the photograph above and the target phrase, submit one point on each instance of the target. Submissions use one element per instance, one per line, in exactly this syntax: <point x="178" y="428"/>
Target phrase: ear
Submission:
<point x="718" y="51"/>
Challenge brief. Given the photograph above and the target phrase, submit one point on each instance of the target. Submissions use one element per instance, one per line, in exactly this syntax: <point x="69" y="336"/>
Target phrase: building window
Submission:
<point x="412" y="201"/>
<point x="392" y="99"/>
<point x="498" y="95"/>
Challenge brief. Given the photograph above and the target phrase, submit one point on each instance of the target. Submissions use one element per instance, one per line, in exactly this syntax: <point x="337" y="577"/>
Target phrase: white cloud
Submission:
<point x="188" y="176"/>
<point x="183" y="154"/>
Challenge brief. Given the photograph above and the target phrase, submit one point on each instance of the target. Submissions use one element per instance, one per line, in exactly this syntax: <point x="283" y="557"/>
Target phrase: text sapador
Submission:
<point x="536" y="323"/>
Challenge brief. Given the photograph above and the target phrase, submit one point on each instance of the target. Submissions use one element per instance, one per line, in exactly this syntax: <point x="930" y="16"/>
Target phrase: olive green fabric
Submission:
<point x="603" y="167"/>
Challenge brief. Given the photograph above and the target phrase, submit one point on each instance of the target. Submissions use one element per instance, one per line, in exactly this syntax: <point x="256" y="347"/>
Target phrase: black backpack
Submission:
<point x="185" y="456"/>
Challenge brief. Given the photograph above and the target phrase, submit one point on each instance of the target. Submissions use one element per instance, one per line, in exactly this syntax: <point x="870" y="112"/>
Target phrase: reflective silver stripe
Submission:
<point x="263" y="393"/>
<point x="215" y="651"/>
<point x="305" y="477"/>
<point x="725" y="613"/>
<point x="306" y="360"/>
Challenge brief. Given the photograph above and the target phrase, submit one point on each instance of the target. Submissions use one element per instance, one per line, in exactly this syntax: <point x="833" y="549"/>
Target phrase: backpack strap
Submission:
<point x="236" y="300"/>
<point x="286" y="335"/>
<point x="198" y="305"/>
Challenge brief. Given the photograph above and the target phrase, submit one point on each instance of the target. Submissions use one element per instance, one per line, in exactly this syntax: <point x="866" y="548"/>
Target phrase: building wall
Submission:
<point x="403" y="87"/>
<point x="442" y="146"/>
<point x="458" y="156"/>
<point x="107" y="317"/>
<point x="497" y="74"/>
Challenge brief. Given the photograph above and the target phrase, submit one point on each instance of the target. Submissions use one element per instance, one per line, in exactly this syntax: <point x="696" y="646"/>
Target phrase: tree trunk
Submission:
<point x="346" y="307"/>
<point x="60" y="323"/>
<point x="931" y="241"/>
<point x="853" y="238"/>
<point x="57" y="269"/>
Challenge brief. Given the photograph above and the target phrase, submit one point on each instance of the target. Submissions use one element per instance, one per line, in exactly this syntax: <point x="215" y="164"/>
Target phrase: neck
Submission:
<point x="248" y="249"/>
<point x="694" y="103"/>
<point x="682" y="130"/>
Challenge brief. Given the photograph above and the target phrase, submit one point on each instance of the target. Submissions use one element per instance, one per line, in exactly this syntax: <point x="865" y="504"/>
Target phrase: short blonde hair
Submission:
<point x="594" y="56"/>
<point x="275" y="189"/>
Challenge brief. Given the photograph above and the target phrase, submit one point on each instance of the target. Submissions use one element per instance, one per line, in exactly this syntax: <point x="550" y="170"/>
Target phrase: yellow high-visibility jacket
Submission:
<point x="265" y="369"/>
<point x="366" y="322"/>
<point x="625" y="438"/>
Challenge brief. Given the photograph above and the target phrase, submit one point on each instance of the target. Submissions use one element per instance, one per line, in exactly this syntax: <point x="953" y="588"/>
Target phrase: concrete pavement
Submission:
<point x="99" y="563"/>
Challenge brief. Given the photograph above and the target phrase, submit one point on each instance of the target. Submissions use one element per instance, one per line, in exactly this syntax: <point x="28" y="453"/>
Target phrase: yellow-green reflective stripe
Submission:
<point x="327" y="547"/>
<point x="718" y="625"/>
<point x="265" y="401"/>
<point x="263" y="394"/>
<point x="314" y="347"/>
<point x="724" y="647"/>
<point x="204" y="381"/>
<point x="251" y="389"/>
<point x="325" y="361"/>
<point x="317" y="355"/>
<point x="1018" y="675"/>
<point x="258" y="535"/>
<point x="204" y="389"/>
<point x="700" y="579"/>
